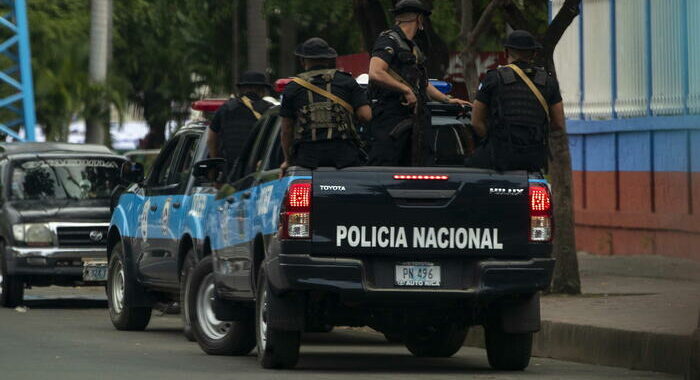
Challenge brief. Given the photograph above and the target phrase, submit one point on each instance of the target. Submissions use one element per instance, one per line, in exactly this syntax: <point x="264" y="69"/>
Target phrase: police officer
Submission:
<point x="399" y="82"/>
<point x="234" y="120"/>
<point x="514" y="119"/>
<point x="318" y="111"/>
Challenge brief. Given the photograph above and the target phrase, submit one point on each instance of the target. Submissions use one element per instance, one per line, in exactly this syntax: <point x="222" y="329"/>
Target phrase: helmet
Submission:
<point x="315" y="48"/>
<point x="415" y="6"/>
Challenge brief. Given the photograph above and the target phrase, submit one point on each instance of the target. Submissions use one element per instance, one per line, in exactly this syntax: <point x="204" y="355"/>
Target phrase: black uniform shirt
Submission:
<point x="388" y="49"/>
<point x="233" y="121"/>
<point x="489" y="86"/>
<point x="343" y="85"/>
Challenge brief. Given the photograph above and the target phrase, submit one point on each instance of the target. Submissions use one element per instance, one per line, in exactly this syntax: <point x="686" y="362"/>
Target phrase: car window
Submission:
<point x="276" y="156"/>
<point x="163" y="167"/>
<point x="64" y="178"/>
<point x="260" y="147"/>
<point x="187" y="153"/>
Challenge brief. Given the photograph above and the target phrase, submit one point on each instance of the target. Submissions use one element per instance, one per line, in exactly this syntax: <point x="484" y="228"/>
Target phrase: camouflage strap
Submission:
<point x="533" y="88"/>
<point x="326" y="94"/>
<point x="246" y="102"/>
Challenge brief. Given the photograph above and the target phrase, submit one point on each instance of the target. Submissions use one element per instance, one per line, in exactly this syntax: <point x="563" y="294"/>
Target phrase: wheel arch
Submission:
<point x="258" y="258"/>
<point x="113" y="237"/>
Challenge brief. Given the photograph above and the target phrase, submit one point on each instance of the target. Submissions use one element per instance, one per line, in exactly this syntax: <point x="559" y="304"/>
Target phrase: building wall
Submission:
<point x="632" y="99"/>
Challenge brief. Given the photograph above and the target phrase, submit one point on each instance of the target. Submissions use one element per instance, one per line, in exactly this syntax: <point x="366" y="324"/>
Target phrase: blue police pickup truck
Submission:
<point x="419" y="254"/>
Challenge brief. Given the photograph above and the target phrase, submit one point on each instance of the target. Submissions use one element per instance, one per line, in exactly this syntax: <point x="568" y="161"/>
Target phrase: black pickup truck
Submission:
<point x="417" y="253"/>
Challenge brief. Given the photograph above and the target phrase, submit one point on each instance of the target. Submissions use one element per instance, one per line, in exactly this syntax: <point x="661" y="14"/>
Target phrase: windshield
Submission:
<point x="64" y="178"/>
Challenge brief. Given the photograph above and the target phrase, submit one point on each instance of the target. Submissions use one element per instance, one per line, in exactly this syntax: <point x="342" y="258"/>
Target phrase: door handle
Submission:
<point x="154" y="207"/>
<point x="176" y="205"/>
<point x="230" y="199"/>
<point x="246" y="195"/>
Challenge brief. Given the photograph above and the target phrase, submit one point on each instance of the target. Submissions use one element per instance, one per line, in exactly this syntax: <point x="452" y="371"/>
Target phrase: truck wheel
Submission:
<point x="187" y="268"/>
<point x="440" y="341"/>
<point x="276" y="348"/>
<point x="119" y="281"/>
<point x="11" y="287"/>
<point x="215" y="337"/>
<point x="510" y="352"/>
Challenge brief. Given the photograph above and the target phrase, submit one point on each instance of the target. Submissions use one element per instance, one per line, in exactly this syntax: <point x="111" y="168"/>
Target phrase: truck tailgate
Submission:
<point x="394" y="211"/>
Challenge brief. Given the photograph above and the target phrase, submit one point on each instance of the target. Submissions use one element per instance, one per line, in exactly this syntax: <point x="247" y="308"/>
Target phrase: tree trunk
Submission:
<point x="257" y="37"/>
<point x="371" y="18"/>
<point x="471" y="37"/>
<point x="468" y="56"/>
<point x="235" y="44"/>
<point x="288" y="43"/>
<point x="99" y="20"/>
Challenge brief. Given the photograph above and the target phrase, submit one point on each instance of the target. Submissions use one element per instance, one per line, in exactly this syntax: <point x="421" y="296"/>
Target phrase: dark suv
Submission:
<point x="54" y="214"/>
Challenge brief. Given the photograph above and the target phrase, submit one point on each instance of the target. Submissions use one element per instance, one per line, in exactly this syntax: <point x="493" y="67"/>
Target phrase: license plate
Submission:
<point x="94" y="270"/>
<point x="417" y="274"/>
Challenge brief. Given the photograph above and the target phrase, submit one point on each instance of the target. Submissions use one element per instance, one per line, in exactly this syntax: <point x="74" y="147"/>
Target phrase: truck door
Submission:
<point x="174" y="210"/>
<point x="159" y="190"/>
<point x="240" y="211"/>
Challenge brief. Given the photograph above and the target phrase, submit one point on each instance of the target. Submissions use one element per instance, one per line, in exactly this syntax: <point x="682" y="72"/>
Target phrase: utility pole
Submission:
<point x="16" y="74"/>
<point x="99" y="44"/>
<point x="257" y="36"/>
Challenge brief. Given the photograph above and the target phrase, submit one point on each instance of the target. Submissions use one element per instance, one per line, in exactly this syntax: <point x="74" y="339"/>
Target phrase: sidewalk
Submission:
<point x="636" y="312"/>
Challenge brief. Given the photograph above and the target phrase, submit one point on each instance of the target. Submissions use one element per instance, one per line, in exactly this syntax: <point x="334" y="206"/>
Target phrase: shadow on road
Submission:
<point x="66" y="303"/>
<point x="389" y="363"/>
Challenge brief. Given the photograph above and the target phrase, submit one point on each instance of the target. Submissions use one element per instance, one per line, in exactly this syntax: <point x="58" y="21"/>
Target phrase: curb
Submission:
<point x="605" y="346"/>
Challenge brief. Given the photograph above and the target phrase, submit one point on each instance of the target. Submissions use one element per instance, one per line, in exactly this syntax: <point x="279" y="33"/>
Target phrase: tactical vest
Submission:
<point x="518" y="124"/>
<point x="411" y="63"/>
<point x="325" y="119"/>
<point x="237" y="123"/>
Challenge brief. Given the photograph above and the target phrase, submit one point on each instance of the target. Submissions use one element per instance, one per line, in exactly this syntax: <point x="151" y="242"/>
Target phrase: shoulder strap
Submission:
<point x="246" y="102"/>
<point x="532" y="87"/>
<point x="324" y="93"/>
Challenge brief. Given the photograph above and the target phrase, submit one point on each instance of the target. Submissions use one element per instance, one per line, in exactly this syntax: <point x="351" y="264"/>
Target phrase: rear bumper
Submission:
<point x="462" y="278"/>
<point x="51" y="261"/>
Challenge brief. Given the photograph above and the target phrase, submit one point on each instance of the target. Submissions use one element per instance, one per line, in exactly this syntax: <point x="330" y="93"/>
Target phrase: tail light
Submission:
<point x="295" y="218"/>
<point x="540" y="213"/>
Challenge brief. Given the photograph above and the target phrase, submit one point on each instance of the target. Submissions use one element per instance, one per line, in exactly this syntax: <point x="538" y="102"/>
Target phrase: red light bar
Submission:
<point x="281" y="84"/>
<point x="421" y="177"/>
<point x="208" y="105"/>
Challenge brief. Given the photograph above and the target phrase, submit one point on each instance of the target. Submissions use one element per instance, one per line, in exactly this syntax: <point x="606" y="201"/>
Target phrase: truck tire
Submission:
<point x="119" y="283"/>
<point x="187" y="267"/>
<point x="441" y="341"/>
<point x="277" y="349"/>
<point x="506" y="351"/>
<point x="215" y="337"/>
<point x="11" y="287"/>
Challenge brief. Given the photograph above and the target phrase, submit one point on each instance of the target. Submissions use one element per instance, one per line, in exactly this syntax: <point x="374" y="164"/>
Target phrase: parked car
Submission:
<point x="54" y="214"/>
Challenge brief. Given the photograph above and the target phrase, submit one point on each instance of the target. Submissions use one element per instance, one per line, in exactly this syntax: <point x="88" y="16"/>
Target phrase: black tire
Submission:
<point x="277" y="349"/>
<point x="11" y="286"/>
<point x="440" y="341"/>
<point x="214" y="337"/>
<point x="119" y="282"/>
<point x="509" y="352"/>
<point x="187" y="268"/>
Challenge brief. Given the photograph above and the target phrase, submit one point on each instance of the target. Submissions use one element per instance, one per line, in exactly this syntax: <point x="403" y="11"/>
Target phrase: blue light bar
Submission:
<point x="442" y="86"/>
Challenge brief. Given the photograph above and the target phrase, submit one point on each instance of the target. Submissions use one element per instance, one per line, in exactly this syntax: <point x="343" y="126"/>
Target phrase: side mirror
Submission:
<point x="132" y="172"/>
<point x="209" y="169"/>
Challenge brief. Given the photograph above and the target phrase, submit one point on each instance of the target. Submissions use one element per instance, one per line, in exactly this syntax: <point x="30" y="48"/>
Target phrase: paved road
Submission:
<point x="66" y="334"/>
